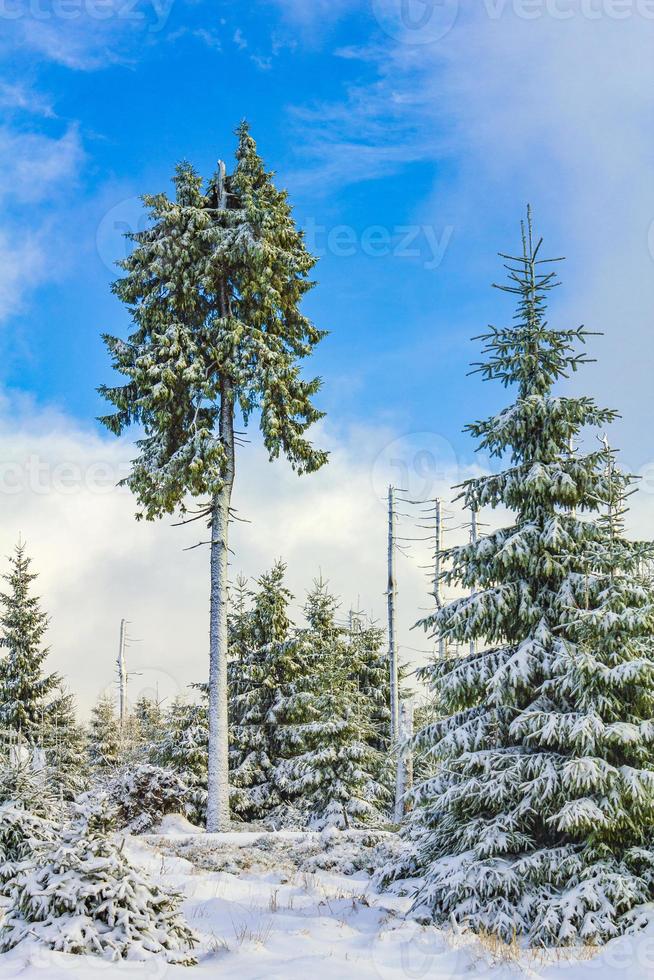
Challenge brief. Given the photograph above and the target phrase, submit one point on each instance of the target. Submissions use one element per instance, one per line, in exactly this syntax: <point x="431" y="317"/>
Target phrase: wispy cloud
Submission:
<point x="239" y="39"/>
<point x="57" y="490"/>
<point x="40" y="166"/>
<point x="85" y="35"/>
<point x="209" y="36"/>
<point x="498" y="87"/>
<point x="521" y="110"/>
<point x="23" y="264"/>
<point x="38" y="170"/>
<point x="36" y="164"/>
<point x="318" y="12"/>
<point x="16" y="97"/>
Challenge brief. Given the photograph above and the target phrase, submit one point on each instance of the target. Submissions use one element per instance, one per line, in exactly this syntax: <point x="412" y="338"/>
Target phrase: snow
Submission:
<point x="176" y="824"/>
<point x="280" y="922"/>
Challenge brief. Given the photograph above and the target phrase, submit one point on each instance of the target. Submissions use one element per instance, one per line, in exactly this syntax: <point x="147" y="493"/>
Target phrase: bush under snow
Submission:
<point x="143" y="796"/>
<point x="84" y="896"/>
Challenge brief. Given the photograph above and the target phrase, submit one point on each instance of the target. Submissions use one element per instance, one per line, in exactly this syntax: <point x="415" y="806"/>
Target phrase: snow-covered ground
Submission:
<point x="280" y="906"/>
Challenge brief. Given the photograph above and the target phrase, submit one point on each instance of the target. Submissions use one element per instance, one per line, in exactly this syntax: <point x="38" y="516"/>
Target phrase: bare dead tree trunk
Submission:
<point x="122" y="676"/>
<point x="392" y="638"/>
<point x="438" y="529"/>
<point x="474" y="537"/>
<point x="404" y="771"/>
<point x="396" y="735"/>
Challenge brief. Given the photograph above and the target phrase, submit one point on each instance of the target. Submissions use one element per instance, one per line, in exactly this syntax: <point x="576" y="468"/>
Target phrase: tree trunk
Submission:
<point x="122" y="677"/>
<point x="218" y="787"/>
<point x="392" y="639"/>
<point x="218" y="762"/>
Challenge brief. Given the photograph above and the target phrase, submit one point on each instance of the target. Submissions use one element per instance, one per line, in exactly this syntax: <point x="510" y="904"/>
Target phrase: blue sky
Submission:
<point x="161" y="96"/>
<point x="381" y="128"/>
<point x="378" y="172"/>
<point x="411" y="134"/>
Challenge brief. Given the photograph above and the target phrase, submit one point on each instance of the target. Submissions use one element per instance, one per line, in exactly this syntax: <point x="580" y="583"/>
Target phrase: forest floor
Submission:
<point x="286" y="906"/>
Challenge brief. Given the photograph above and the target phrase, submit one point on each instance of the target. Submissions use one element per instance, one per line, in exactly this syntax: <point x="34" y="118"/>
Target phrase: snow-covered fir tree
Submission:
<point x="427" y="713"/>
<point x="25" y="690"/>
<point x="27" y="782"/>
<point x="214" y="287"/>
<point x="186" y="735"/>
<point x="105" y="741"/>
<point x="22" y="832"/>
<point x="538" y="821"/>
<point x="82" y="895"/>
<point x="183" y="747"/>
<point x="148" y="724"/>
<point x="65" y="742"/>
<point x="262" y="641"/>
<point x="239" y="627"/>
<point x="241" y="646"/>
<point x="368" y="658"/>
<point x="325" y="758"/>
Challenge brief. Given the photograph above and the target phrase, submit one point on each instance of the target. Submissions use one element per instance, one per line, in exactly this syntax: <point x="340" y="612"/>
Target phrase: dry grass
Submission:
<point x="488" y="948"/>
<point x="497" y="951"/>
<point x="244" y="932"/>
<point x="218" y="945"/>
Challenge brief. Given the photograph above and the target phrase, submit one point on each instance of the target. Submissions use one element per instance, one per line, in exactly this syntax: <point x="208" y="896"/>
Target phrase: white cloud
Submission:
<point x="84" y="35"/>
<point x="38" y="169"/>
<point x="80" y="47"/>
<point x="543" y="109"/>
<point x="19" y="97"/>
<point x="211" y="37"/>
<point x="37" y="165"/>
<point x="23" y="264"/>
<point x="97" y="564"/>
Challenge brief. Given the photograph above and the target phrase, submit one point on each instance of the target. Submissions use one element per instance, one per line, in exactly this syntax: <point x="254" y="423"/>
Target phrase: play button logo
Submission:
<point x="416" y="21"/>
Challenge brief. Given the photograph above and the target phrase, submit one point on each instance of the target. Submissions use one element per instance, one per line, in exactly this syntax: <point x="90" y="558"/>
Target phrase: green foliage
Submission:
<point x="147" y="727"/>
<point x="260" y="639"/>
<point x="105" y="741"/>
<point x="30" y="786"/>
<point x="213" y="287"/>
<point x="307" y="720"/>
<point x="21" y="834"/>
<point x="83" y="896"/>
<point x="327" y="759"/>
<point x="65" y="742"/>
<point x="142" y="795"/>
<point x="183" y="747"/>
<point x="538" y="817"/>
<point x="367" y="657"/>
<point x="24" y="689"/>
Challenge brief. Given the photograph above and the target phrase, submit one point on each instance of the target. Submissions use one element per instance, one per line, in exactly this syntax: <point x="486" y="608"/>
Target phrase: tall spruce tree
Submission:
<point x="538" y="820"/>
<point x="214" y="287"/>
<point x="25" y="691"/>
